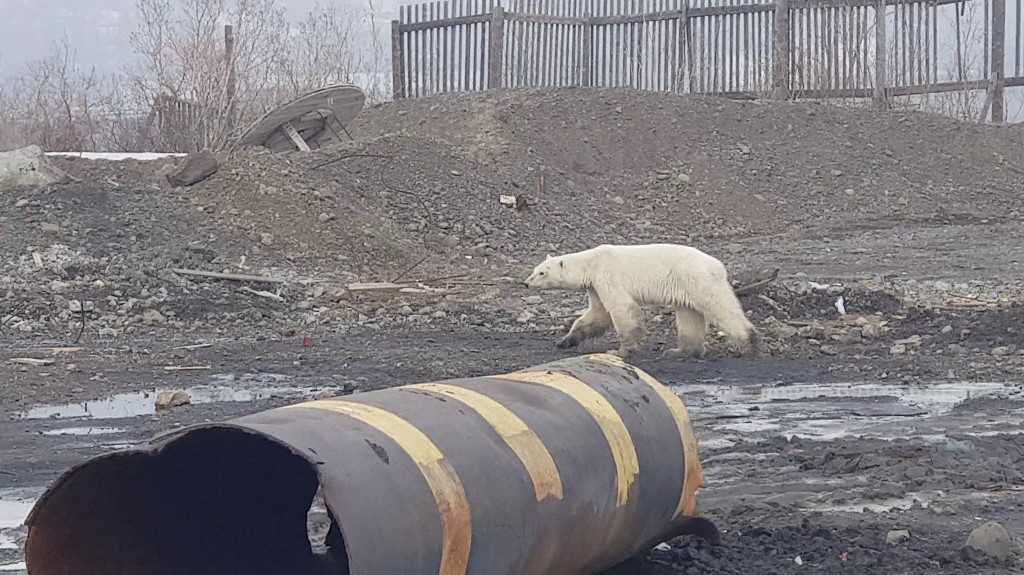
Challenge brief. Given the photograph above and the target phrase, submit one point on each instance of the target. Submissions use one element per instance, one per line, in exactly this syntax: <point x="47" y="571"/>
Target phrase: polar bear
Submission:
<point x="619" y="279"/>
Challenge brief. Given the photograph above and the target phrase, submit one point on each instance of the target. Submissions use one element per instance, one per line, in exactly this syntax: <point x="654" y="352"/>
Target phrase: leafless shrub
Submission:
<point x="55" y="104"/>
<point x="203" y="94"/>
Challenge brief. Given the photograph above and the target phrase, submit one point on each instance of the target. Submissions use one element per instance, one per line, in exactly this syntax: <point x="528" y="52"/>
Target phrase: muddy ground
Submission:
<point x="928" y="444"/>
<point x="904" y="413"/>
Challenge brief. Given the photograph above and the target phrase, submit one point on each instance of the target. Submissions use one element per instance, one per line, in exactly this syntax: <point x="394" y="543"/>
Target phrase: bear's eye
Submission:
<point x="543" y="273"/>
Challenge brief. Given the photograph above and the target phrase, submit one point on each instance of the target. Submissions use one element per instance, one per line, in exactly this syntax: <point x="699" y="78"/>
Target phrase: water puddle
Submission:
<point x="83" y="431"/>
<point x="228" y="388"/>
<point x="14" y="511"/>
<point x="727" y="415"/>
<point x="7" y="542"/>
<point x="938" y="396"/>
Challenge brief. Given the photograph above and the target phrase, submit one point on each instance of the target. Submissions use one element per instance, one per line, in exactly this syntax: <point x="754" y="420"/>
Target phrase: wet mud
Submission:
<point x="809" y="463"/>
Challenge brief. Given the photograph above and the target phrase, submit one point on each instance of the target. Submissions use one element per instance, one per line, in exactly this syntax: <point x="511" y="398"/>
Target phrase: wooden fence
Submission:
<point x="737" y="48"/>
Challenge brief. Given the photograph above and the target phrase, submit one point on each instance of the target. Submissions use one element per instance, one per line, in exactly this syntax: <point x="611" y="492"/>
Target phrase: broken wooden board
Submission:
<point x="393" y="288"/>
<point x="34" y="362"/>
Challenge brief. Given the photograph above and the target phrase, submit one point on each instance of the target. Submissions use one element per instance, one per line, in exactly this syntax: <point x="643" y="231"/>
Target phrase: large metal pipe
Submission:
<point x="565" y="468"/>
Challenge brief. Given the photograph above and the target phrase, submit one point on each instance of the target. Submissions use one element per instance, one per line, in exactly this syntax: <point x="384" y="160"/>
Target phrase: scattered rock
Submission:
<point x="991" y="540"/>
<point x="171" y="399"/>
<point x="897" y="536"/>
<point x="28" y="166"/>
<point x="194" y="169"/>
<point x="153" y="317"/>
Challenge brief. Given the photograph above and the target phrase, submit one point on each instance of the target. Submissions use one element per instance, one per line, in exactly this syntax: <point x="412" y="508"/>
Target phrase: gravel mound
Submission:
<point x="419" y="193"/>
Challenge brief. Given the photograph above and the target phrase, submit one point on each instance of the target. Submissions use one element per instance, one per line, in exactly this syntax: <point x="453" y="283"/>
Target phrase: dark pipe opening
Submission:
<point x="218" y="500"/>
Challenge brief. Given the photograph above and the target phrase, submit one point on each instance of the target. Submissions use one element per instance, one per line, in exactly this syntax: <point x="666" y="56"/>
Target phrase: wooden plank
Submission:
<point x="473" y="43"/>
<point x="495" y="51"/>
<point x="433" y="50"/>
<point x="538" y="68"/>
<point x="445" y="58"/>
<point x="545" y="48"/>
<point x="451" y="22"/>
<point x="896" y="91"/>
<point x="780" y="75"/>
<point x="294" y="136"/>
<point x="224" y="276"/>
<point x="1019" y="53"/>
<point x="417" y="52"/>
<point x="1014" y="82"/>
<point x="466" y="47"/>
<point x="989" y="97"/>
<point x="999" y="59"/>
<point x="617" y="59"/>
<point x="397" y="62"/>
<point x="586" y="52"/>
<point x="880" y="43"/>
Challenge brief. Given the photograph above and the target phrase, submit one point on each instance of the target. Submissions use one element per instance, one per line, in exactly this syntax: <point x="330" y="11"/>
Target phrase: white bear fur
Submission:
<point x="620" y="279"/>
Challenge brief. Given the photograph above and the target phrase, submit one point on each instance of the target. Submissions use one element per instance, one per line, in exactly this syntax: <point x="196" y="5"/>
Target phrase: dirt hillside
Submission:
<point x="421" y="183"/>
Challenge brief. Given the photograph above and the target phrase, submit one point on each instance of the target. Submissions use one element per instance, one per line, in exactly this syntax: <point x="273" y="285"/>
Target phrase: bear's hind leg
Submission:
<point x="691" y="328"/>
<point x="627" y="318"/>
<point x="593" y="323"/>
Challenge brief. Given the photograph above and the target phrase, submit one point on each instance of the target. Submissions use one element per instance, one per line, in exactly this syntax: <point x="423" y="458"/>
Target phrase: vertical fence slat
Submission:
<point x="999" y="59"/>
<point x="1019" y="39"/>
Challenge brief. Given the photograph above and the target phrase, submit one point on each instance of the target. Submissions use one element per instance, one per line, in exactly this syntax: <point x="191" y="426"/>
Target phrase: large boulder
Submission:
<point x="194" y="169"/>
<point x="27" y="166"/>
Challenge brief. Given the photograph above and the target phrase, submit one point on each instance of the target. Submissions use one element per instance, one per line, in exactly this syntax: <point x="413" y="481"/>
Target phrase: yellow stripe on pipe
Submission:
<point x="444" y="482"/>
<point x="694" y="470"/>
<point x="522" y="440"/>
<point x="627" y="467"/>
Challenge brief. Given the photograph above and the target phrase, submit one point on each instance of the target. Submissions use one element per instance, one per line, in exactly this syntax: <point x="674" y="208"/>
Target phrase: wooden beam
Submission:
<point x="496" y="50"/>
<point x="781" y="84"/>
<point x="879" y="94"/>
<point x="999" y="59"/>
<point x="397" y="62"/>
<point x="294" y="136"/>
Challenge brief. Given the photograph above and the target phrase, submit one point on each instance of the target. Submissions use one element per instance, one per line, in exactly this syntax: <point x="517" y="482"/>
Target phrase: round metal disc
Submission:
<point x="310" y="115"/>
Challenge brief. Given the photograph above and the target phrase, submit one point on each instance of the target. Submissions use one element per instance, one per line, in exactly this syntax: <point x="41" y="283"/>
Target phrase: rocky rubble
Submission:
<point x="423" y="192"/>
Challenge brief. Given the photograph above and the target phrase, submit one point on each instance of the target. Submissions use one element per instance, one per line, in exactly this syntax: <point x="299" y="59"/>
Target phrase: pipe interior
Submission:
<point x="217" y="500"/>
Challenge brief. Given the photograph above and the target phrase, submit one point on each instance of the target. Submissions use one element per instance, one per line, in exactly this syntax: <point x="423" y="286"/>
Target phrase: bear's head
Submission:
<point x="550" y="274"/>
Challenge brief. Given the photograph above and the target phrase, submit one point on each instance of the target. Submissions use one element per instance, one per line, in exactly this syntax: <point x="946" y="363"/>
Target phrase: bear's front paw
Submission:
<point x="620" y="353"/>
<point x="680" y="353"/>
<point x="672" y="353"/>
<point x="566" y="342"/>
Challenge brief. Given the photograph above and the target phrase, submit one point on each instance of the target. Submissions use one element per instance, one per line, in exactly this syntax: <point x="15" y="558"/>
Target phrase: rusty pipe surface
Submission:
<point x="565" y="468"/>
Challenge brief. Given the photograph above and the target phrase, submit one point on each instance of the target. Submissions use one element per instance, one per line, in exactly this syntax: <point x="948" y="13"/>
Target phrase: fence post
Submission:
<point x="999" y="59"/>
<point x="682" y="46"/>
<point x="880" y="55"/>
<point x="496" y="50"/>
<point x="586" y="52"/>
<point x="782" y="50"/>
<point x="397" y="62"/>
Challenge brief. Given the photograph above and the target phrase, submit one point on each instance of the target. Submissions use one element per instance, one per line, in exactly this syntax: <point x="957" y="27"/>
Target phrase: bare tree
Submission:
<point x="377" y="62"/>
<point x="320" y="52"/>
<point x="55" y="104"/>
<point x="186" y="90"/>
<point x="186" y="71"/>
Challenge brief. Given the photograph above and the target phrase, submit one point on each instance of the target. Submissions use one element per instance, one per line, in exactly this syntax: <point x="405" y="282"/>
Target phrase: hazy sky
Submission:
<point x="97" y="29"/>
